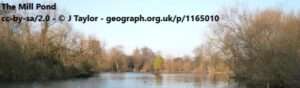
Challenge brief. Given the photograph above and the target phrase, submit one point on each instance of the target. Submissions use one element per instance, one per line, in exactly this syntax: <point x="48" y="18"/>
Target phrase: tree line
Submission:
<point x="53" y="50"/>
<point x="259" y="49"/>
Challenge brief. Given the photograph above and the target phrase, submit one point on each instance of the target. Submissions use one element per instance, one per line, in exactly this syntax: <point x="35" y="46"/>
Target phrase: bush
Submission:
<point x="262" y="47"/>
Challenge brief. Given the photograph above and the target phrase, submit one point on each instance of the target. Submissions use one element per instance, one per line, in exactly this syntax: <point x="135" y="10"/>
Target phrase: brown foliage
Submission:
<point x="262" y="47"/>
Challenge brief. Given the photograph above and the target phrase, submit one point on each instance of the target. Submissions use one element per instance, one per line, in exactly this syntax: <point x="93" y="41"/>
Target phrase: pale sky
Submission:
<point x="168" y="38"/>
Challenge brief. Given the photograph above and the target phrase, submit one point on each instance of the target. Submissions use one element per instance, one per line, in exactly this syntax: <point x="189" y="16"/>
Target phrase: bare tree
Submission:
<point x="262" y="46"/>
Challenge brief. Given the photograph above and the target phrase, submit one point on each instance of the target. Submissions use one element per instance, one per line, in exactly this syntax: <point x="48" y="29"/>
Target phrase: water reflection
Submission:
<point x="128" y="80"/>
<point x="158" y="79"/>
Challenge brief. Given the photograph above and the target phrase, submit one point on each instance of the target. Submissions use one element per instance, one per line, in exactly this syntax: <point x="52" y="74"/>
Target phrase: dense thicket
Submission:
<point x="263" y="47"/>
<point x="30" y="51"/>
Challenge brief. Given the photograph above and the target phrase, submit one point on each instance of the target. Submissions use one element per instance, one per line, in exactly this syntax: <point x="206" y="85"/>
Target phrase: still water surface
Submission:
<point x="128" y="80"/>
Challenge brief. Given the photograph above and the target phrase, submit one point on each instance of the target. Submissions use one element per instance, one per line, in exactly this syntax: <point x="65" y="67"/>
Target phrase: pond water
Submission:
<point x="128" y="80"/>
